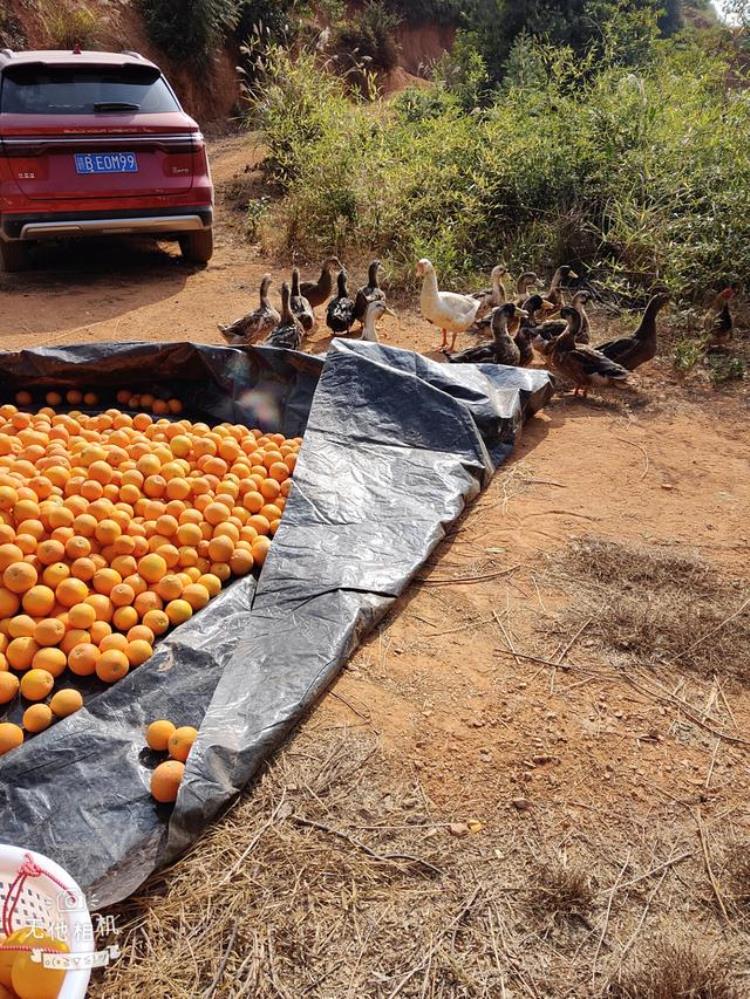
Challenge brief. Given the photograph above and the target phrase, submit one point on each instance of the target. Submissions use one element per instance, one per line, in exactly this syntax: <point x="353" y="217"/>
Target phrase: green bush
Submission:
<point x="367" y="38"/>
<point x="189" y="30"/>
<point x="641" y="176"/>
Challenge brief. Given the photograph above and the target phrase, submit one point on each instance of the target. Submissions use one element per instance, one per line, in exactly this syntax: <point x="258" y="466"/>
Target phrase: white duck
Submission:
<point x="451" y="312"/>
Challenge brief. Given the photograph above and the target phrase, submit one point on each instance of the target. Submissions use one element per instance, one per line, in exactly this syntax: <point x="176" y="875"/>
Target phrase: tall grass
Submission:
<point x="642" y="174"/>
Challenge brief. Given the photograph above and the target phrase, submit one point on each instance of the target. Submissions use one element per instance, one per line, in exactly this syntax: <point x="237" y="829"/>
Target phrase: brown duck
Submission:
<point x="555" y="293"/>
<point x="502" y="349"/>
<point x="525" y="282"/>
<point x="546" y="333"/>
<point x="370" y="292"/>
<point x="289" y="332"/>
<point x="585" y="367"/>
<point x="490" y="298"/>
<point x="632" y="351"/>
<point x="256" y="324"/>
<point x="299" y="305"/>
<point x="318" y="292"/>
<point x="718" y="322"/>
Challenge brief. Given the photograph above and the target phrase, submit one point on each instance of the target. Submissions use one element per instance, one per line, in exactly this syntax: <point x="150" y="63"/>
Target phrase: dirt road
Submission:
<point x="500" y="695"/>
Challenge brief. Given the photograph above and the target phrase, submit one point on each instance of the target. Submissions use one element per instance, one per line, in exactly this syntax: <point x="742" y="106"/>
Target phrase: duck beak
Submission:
<point x="390" y="312"/>
<point x="522" y="313"/>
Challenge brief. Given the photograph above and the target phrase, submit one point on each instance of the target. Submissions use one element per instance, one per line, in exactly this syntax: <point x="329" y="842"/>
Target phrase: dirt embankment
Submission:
<point x="421" y="45"/>
<point x="211" y="95"/>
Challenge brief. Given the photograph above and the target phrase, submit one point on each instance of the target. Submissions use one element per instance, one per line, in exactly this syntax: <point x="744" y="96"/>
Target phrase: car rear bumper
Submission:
<point x="49" y="225"/>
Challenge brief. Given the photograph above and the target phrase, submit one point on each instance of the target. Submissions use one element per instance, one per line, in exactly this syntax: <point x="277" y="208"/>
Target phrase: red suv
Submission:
<point x="96" y="143"/>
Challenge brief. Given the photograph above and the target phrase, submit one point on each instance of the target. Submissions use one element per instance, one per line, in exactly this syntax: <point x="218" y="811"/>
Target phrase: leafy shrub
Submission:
<point x="189" y="30"/>
<point x="462" y="71"/>
<point x="687" y="352"/>
<point x="368" y="37"/>
<point x="725" y="368"/>
<point x="642" y="176"/>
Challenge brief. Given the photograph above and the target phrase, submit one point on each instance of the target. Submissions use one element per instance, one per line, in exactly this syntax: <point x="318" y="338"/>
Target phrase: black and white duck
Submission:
<point x="340" y="314"/>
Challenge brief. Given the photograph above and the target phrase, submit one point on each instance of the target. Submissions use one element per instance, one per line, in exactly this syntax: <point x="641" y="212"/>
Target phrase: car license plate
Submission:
<point x="106" y="163"/>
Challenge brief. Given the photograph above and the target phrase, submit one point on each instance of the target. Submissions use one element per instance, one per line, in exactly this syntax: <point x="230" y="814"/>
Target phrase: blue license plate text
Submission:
<point x="106" y="163"/>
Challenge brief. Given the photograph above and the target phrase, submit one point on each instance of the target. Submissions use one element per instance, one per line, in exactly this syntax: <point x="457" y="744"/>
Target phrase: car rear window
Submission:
<point x="88" y="90"/>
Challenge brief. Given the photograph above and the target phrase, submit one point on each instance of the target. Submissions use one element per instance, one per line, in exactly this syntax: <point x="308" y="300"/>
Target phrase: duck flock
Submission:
<point x="509" y="328"/>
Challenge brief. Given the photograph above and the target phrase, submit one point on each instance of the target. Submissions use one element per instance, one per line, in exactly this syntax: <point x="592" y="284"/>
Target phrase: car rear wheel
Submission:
<point x="13" y="257"/>
<point x="197" y="247"/>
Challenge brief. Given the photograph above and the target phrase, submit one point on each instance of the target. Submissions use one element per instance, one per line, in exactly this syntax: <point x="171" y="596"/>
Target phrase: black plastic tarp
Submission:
<point x="395" y="447"/>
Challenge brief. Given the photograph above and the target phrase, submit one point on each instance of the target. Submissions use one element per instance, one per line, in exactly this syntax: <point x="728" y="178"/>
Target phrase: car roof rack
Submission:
<point x="134" y="54"/>
<point x="8" y="53"/>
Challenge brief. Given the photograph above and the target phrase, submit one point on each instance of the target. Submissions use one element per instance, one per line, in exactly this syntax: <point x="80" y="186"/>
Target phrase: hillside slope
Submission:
<point x="211" y="95"/>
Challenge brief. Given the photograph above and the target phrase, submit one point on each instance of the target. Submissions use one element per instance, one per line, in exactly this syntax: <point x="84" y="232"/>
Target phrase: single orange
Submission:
<point x="83" y="658"/>
<point x="181" y="742"/>
<point x="37" y="717"/>
<point x="11" y="736"/>
<point x="20" y="653"/>
<point x="49" y="631"/>
<point x="112" y="666"/>
<point x="71" y="591"/>
<point x="66" y="702"/>
<point x="125" y="618"/>
<point x="52" y="660"/>
<point x="178" y="611"/>
<point x="21" y="626"/>
<point x="81" y="616"/>
<point x="196" y="595"/>
<point x="157" y="621"/>
<point x="241" y="562"/>
<point x="141" y="633"/>
<point x="99" y="630"/>
<point x="152" y="567"/>
<point x="166" y="780"/>
<point x="9" y="684"/>
<point x="138" y="652"/>
<point x="39" y="601"/>
<point x="159" y="733"/>
<point x="20" y="577"/>
<point x="37" y="684"/>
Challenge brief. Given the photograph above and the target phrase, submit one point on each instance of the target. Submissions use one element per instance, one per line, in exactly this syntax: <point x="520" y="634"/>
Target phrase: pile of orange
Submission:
<point x="147" y="401"/>
<point x="113" y="529"/>
<point x="73" y="397"/>
<point x="164" y="736"/>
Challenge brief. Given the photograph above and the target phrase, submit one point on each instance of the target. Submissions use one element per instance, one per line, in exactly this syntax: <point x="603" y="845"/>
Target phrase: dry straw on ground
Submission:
<point x="336" y="877"/>
<point x="664" y="607"/>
